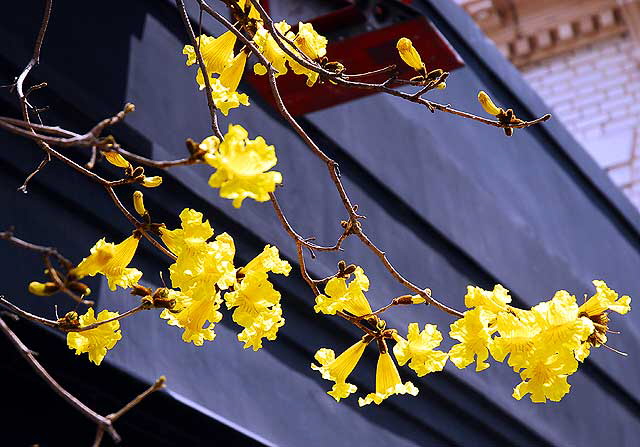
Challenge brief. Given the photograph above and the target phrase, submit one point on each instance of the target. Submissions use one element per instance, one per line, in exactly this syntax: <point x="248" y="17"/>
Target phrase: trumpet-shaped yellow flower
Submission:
<point x="605" y="299"/>
<point x="409" y="54"/>
<point x="190" y="237"/>
<point x="388" y="382"/>
<point x="419" y="347"/>
<point x="516" y="339"/>
<point x="271" y="50"/>
<point x="546" y="378"/>
<point x="494" y="301"/>
<point x="474" y="333"/>
<point x="339" y="296"/>
<point x="217" y="54"/>
<point x="311" y="44"/>
<point x="256" y="302"/>
<point x="561" y="329"/>
<point x="253" y="12"/>
<point x="96" y="342"/>
<point x="111" y="260"/>
<point x="196" y="316"/>
<point x="211" y="267"/>
<point x="338" y="368"/>
<point x="242" y="167"/>
<point x="264" y="325"/>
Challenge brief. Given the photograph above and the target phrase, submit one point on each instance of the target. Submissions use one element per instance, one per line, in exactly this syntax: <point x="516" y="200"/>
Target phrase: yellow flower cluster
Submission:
<point x="418" y="349"/>
<point x="544" y="344"/>
<point x="219" y="59"/>
<point x="204" y="268"/>
<point x="306" y="43"/>
<point x="95" y="341"/>
<point x="242" y="166"/>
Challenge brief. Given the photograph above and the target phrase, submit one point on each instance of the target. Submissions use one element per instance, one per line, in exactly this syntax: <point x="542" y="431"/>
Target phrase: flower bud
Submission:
<point x="409" y="54"/>
<point x="487" y="104"/>
<point x="116" y="159"/>
<point x="43" y="289"/>
<point x="138" y="203"/>
<point x="152" y="182"/>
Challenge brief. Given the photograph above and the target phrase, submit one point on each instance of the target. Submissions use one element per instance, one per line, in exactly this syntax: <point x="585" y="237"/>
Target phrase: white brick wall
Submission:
<point x="595" y="92"/>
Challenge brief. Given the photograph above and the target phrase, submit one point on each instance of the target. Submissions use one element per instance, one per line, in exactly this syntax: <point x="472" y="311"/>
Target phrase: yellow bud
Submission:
<point x="417" y="299"/>
<point x="487" y="104"/>
<point x="43" y="289"/>
<point x="441" y="86"/>
<point x="152" y="182"/>
<point x="116" y="159"/>
<point x="409" y="54"/>
<point x="138" y="203"/>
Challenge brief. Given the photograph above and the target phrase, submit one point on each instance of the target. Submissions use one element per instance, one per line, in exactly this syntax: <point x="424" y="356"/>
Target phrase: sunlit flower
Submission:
<point x="338" y="296"/>
<point x="95" y="341"/>
<point x="474" y="334"/>
<point x="271" y="50"/>
<point x="196" y="316"/>
<point x="516" y="339"/>
<point x="256" y="302"/>
<point x="546" y="378"/>
<point x="190" y="237"/>
<point x="217" y="54"/>
<point x="388" y="382"/>
<point x="494" y="301"/>
<point x="605" y="299"/>
<point x="409" y="54"/>
<point x="419" y="348"/>
<point x="111" y="260"/>
<point x="338" y="368"/>
<point x="561" y="329"/>
<point x="242" y="167"/>
<point x="313" y="45"/>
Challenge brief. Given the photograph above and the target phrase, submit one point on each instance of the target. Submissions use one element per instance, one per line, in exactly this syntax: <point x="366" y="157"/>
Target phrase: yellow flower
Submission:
<point x="474" y="334"/>
<point x="338" y="368"/>
<point x="546" y="378"/>
<point x="561" y="329"/>
<point x="495" y="301"/>
<point x="193" y="315"/>
<point x="271" y="50"/>
<point x="226" y="99"/>
<point x="420" y="349"/>
<point x="111" y="260"/>
<point x="253" y="12"/>
<point x="241" y="167"/>
<point x="257" y="303"/>
<point x="310" y="42"/>
<point x="217" y="54"/>
<point x="95" y="341"/>
<point x="193" y="234"/>
<point x="487" y="104"/>
<point x="313" y="45"/>
<point x="388" y="382"/>
<point x="409" y="54"/>
<point x="210" y="266"/>
<point x="340" y="297"/>
<point x="516" y="339"/>
<point x="605" y="299"/>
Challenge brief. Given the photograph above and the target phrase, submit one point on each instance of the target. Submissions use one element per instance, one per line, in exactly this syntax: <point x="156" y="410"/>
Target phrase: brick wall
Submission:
<point x="595" y="92"/>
